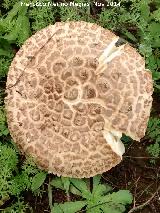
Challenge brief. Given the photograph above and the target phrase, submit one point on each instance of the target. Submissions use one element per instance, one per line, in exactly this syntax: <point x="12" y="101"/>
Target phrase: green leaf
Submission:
<point x="121" y="197"/>
<point x="68" y="207"/>
<point x="156" y="15"/>
<point x="115" y="202"/>
<point x="157" y="86"/>
<point x="95" y="209"/>
<point x="5" y="47"/>
<point x="99" y="189"/>
<point x="57" y="183"/>
<point x="115" y="209"/>
<point x="82" y="187"/>
<point x="96" y="180"/>
<point x="154" y="149"/>
<point x="16" y="26"/>
<point x="12" y="13"/>
<point x="154" y="28"/>
<point x="145" y="9"/>
<point x="23" y="28"/>
<point x="156" y="75"/>
<point x="38" y="180"/>
<point x="75" y="191"/>
<point x="57" y="208"/>
<point x="146" y="49"/>
<point x="4" y="52"/>
<point x="129" y="35"/>
<point x="152" y="63"/>
<point x="66" y="183"/>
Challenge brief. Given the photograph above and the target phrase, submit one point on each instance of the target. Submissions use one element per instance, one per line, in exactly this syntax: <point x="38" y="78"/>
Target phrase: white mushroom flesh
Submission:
<point x="113" y="139"/>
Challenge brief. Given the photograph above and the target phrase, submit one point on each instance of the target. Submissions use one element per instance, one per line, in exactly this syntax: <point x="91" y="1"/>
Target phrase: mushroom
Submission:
<point x="71" y="93"/>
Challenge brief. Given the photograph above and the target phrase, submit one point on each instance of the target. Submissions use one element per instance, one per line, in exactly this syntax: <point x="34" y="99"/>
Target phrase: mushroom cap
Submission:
<point x="66" y="108"/>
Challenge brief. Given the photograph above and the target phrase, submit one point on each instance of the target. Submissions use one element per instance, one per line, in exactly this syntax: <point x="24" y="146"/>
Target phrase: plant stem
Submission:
<point x="50" y="194"/>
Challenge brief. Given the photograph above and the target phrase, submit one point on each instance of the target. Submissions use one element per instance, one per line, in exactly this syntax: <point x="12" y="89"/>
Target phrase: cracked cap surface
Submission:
<point x="62" y="101"/>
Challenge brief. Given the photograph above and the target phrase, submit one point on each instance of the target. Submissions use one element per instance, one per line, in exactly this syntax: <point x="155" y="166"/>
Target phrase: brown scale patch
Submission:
<point x="51" y="101"/>
<point x="81" y="108"/>
<point x="89" y="92"/>
<point x="57" y="97"/>
<point x="75" y="136"/>
<point x="81" y="41"/>
<point x="42" y="70"/>
<point x="82" y="74"/>
<point x="55" y="116"/>
<point x="59" y="106"/>
<point x="98" y="126"/>
<point x="59" y="66"/>
<point x="53" y="56"/>
<point x="35" y="115"/>
<point x="71" y="81"/>
<point x="108" y="113"/>
<point x="65" y="132"/>
<point x="66" y="74"/>
<point x="103" y="85"/>
<point x="78" y="50"/>
<point x="67" y="114"/>
<point x="91" y="63"/>
<point x="94" y="109"/>
<point x="76" y="61"/>
<point x="58" y="85"/>
<point x="79" y="120"/>
<point x="67" y="53"/>
<point x="53" y="147"/>
<point x="71" y="94"/>
<point x="48" y="88"/>
<point x="116" y="97"/>
<point x="32" y="135"/>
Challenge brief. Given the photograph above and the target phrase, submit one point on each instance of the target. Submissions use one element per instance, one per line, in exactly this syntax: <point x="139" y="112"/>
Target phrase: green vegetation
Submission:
<point x="154" y="134"/>
<point x="15" y="180"/>
<point x="3" y="128"/>
<point x="99" y="199"/>
<point x="138" y="22"/>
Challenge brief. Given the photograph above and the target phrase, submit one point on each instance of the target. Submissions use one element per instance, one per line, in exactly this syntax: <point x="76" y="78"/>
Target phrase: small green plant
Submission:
<point x="77" y="12"/>
<point x="14" y="180"/>
<point x="153" y="132"/>
<point x="17" y="207"/>
<point x="98" y="199"/>
<point x="15" y="27"/>
<point x="8" y="163"/>
<point x="7" y="4"/>
<point x="3" y="127"/>
<point x="41" y="16"/>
